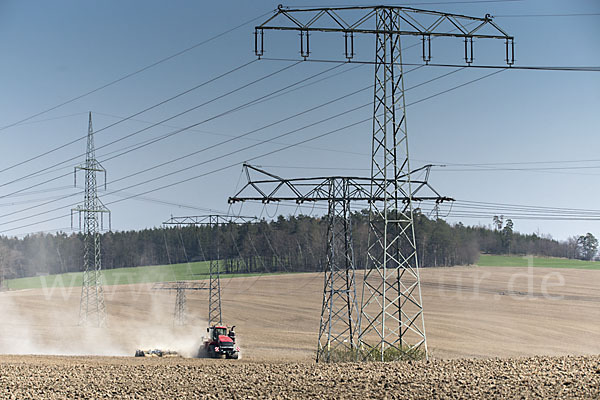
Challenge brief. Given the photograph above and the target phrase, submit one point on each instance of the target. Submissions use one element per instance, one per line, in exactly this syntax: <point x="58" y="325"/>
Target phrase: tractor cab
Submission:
<point x="218" y="331"/>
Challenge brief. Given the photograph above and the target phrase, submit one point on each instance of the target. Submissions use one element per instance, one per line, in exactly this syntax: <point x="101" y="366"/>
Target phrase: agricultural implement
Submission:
<point x="156" y="353"/>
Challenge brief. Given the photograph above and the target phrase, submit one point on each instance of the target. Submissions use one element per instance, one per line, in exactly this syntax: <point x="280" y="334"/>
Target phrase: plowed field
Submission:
<point x="473" y="316"/>
<point x="126" y="378"/>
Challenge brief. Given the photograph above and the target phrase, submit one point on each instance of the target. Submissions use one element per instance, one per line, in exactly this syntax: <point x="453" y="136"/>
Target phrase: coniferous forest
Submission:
<point x="294" y="243"/>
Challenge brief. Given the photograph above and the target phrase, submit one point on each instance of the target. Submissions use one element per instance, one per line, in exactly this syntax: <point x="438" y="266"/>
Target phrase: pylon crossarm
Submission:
<point x="208" y="220"/>
<point x="178" y="285"/>
<point x="364" y="18"/>
<point x="318" y="189"/>
<point x="402" y="21"/>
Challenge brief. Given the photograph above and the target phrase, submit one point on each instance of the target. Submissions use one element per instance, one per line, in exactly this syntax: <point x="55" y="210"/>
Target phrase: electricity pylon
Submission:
<point x="180" y="287"/>
<point x="340" y="318"/>
<point x="92" y="309"/>
<point x="215" y="315"/>
<point x="391" y="306"/>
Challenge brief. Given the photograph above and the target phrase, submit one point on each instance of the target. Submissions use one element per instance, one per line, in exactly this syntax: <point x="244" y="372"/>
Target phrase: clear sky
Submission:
<point x="534" y="135"/>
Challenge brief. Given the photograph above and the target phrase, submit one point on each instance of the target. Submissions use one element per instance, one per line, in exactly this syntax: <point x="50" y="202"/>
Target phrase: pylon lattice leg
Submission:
<point x="339" y="312"/>
<point x="391" y="308"/>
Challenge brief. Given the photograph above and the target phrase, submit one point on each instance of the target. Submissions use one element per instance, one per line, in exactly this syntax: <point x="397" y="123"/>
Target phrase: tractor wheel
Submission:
<point x="232" y="356"/>
<point x="211" y="352"/>
<point x="202" y="353"/>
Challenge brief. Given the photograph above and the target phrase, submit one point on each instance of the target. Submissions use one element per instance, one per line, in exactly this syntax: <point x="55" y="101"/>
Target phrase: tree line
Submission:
<point x="293" y="243"/>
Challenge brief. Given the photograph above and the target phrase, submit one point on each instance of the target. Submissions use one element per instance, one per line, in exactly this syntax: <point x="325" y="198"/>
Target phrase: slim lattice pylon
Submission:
<point x="339" y="312"/>
<point x="391" y="318"/>
<point x="180" y="287"/>
<point x="92" y="309"/>
<point x="391" y="307"/>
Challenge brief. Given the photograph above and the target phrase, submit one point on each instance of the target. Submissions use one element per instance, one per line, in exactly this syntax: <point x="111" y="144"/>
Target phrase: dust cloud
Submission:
<point x="45" y="321"/>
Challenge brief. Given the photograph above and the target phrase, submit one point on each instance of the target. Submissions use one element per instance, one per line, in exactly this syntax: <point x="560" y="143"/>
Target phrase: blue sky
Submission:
<point x="55" y="51"/>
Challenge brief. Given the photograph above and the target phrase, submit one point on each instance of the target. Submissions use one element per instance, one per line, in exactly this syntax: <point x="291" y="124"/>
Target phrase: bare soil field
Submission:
<point x="490" y="332"/>
<point x="47" y="377"/>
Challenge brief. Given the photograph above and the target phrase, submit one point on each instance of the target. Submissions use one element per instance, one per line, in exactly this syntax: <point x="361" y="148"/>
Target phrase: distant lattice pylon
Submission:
<point x="180" y="287"/>
<point x="92" y="308"/>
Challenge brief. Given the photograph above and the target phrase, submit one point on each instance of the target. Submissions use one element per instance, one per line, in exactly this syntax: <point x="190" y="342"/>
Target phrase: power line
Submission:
<point x="477" y="209"/>
<point x="515" y="67"/>
<point x="527" y="68"/>
<point x="525" y="217"/>
<point x="524" y="212"/>
<point x="171" y="133"/>
<point x="22" y="190"/>
<point x="272" y="124"/>
<point x="546" y="15"/>
<point x="154" y="124"/>
<point x="468" y="215"/>
<point x="490" y="168"/>
<point x="43" y="191"/>
<point x="248" y="133"/>
<point x="491" y="204"/>
<point x="414" y="4"/>
<point x="177" y="182"/>
<point x="508" y="166"/>
<point x="170" y="203"/>
<point x="55" y="198"/>
<point x="183" y="129"/>
<point x="245" y="134"/>
<point x="211" y="147"/>
<point x="456" y="87"/>
<point x="212" y="171"/>
<point x="37" y="121"/>
<point x="517" y="162"/>
<point x="218" y="170"/>
<point x="541" y="169"/>
<point x="134" y="73"/>
<point x="167" y="119"/>
<point x="127" y="118"/>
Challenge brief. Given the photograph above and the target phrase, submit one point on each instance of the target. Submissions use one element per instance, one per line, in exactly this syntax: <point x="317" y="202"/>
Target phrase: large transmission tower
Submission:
<point x="180" y="287"/>
<point x="215" y="315"/>
<point x="340" y="315"/>
<point x="391" y="307"/>
<point x="92" y="309"/>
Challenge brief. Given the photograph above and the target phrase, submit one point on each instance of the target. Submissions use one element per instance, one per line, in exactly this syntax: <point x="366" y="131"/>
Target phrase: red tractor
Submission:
<point x="219" y="342"/>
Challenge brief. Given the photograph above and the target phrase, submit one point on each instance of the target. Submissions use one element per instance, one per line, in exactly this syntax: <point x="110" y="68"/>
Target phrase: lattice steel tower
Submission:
<point x="92" y="309"/>
<point x="338" y="329"/>
<point x="392" y="320"/>
<point x="180" y="287"/>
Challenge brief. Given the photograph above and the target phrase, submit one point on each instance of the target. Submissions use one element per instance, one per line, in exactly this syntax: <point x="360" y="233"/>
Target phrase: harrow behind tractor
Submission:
<point x="156" y="353"/>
